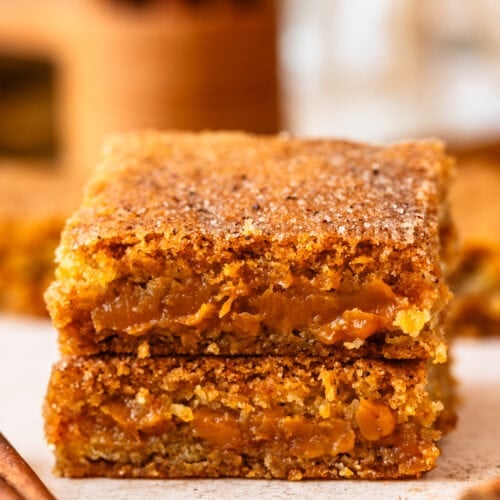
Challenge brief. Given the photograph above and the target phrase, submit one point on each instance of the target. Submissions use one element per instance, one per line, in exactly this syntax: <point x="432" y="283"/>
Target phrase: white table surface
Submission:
<point x="471" y="454"/>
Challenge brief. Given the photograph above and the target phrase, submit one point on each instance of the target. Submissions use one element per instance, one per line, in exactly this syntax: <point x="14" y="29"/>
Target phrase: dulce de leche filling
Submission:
<point x="306" y="437"/>
<point x="331" y="309"/>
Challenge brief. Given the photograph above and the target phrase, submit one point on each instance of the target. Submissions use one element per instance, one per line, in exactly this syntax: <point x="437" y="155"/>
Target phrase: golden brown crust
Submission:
<point x="236" y="189"/>
<point x="292" y="418"/>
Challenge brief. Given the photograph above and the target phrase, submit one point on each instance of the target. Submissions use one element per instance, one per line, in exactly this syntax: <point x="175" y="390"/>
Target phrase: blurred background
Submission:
<point x="385" y="69"/>
<point x="71" y="72"/>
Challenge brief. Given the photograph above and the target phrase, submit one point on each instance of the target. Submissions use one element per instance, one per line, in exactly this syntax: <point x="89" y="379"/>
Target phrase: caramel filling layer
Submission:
<point x="331" y="309"/>
<point x="226" y="430"/>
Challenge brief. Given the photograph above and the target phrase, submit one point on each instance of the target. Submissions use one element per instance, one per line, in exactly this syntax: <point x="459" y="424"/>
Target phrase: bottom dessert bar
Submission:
<point x="255" y="417"/>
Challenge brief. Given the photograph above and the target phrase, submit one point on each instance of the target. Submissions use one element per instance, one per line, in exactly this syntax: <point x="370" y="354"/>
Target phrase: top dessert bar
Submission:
<point x="227" y="243"/>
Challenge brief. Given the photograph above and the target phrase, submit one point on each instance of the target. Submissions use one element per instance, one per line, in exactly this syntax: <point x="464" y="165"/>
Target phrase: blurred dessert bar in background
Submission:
<point x="475" y="202"/>
<point x="489" y="490"/>
<point x="34" y="204"/>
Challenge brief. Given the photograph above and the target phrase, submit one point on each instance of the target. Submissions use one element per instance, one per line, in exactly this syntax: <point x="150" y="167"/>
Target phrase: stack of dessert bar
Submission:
<point x="265" y="307"/>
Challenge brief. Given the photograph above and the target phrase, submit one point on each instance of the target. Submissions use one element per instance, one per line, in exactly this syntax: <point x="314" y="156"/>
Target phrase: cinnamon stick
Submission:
<point x="17" y="478"/>
<point x="7" y="493"/>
